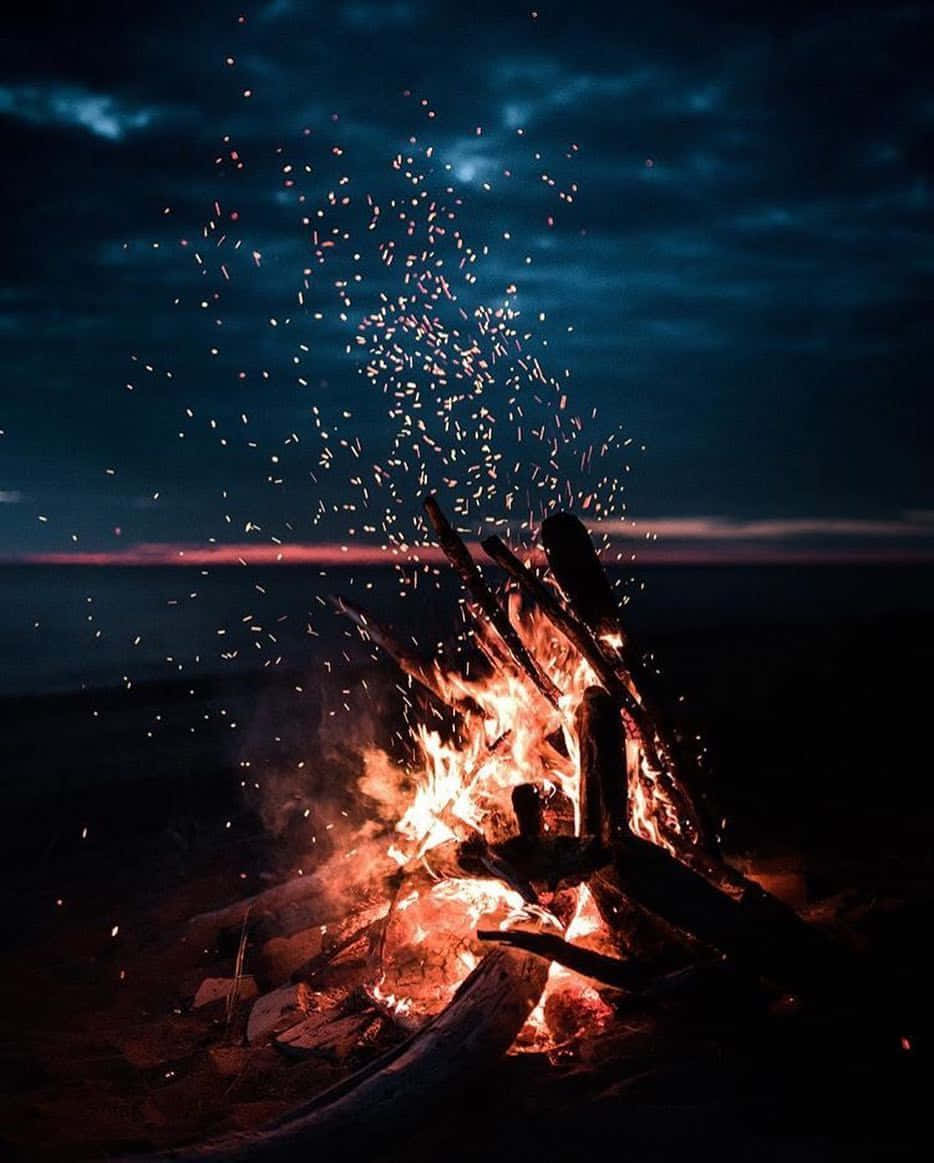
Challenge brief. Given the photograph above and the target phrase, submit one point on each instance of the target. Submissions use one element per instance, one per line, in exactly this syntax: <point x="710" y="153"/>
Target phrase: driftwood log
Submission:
<point x="396" y="1091"/>
<point x="480" y="593"/>
<point x="408" y="661"/>
<point x="583" y="581"/>
<point x="577" y="569"/>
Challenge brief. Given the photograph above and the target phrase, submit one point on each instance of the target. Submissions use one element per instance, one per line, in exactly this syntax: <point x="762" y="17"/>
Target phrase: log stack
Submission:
<point x="680" y="888"/>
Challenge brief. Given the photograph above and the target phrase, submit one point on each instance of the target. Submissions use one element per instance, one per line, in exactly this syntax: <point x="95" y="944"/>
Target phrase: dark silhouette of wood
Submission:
<point x="628" y="975"/>
<point x="575" y="565"/>
<point x="459" y="556"/>
<point x="602" y="745"/>
<point x="408" y="661"/>
<point x="527" y="806"/>
<point x="577" y="570"/>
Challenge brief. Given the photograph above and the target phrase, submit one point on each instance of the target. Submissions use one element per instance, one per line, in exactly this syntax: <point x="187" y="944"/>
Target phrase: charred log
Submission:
<point x="602" y="745"/>
<point x="628" y="975"/>
<point x="638" y="723"/>
<point x="577" y="570"/>
<point x="407" y="660"/>
<point x="459" y="556"/>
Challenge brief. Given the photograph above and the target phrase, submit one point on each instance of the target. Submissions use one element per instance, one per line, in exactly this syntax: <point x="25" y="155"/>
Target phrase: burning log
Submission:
<point x="407" y="660"/>
<point x="392" y="1094"/>
<point x="628" y="975"/>
<point x="518" y="862"/>
<point x="569" y="625"/>
<point x="758" y="933"/>
<point x="580" y="574"/>
<point x="527" y="805"/>
<point x="602" y="758"/>
<point x="459" y="556"/>
<point x="329" y="1036"/>
<point x="638" y="724"/>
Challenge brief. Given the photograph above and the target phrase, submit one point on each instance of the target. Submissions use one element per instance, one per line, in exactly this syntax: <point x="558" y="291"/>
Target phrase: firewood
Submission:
<point x="527" y="805"/>
<point x="576" y="567"/>
<point x="329" y="1035"/>
<point x="602" y="758"/>
<point x="760" y="934"/>
<point x="275" y="1011"/>
<point x="577" y="570"/>
<point x="309" y="970"/>
<point x="628" y="975"/>
<point x="407" y="660"/>
<point x="571" y="627"/>
<point x="459" y="556"/>
<point x="390" y="1097"/>
<point x="205" y="927"/>
<point x="217" y="989"/>
<point x="638" y="724"/>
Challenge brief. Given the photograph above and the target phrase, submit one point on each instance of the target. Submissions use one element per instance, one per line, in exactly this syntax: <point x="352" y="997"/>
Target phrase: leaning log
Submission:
<point x="757" y="932"/>
<point x="582" y="579"/>
<point x="577" y="570"/>
<point x="408" y="661"/>
<point x="391" y="1097"/>
<point x="458" y="554"/>
<point x="639" y="725"/>
<point x="628" y="975"/>
<point x="572" y="628"/>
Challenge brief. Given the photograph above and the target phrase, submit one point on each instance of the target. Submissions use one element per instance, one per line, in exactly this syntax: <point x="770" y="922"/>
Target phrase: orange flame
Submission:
<point x="463" y="787"/>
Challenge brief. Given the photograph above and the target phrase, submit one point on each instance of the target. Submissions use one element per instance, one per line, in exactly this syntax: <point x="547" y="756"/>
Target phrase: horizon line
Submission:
<point x="732" y="552"/>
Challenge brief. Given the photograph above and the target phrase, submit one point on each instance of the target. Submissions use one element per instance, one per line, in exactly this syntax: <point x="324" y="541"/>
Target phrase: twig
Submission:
<point x="234" y="992"/>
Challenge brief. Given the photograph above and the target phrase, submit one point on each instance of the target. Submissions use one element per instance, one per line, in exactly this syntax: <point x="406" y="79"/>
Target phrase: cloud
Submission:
<point x="10" y="496"/>
<point x="915" y="524"/>
<point x="376" y="17"/>
<point x="662" y="540"/>
<point x="70" y="106"/>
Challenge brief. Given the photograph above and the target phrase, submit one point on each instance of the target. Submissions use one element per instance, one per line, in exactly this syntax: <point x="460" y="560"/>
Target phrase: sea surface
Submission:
<point x="80" y="628"/>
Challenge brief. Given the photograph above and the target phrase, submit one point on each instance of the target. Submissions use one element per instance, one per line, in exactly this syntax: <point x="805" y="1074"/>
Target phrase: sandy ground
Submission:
<point x="818" y="743"/>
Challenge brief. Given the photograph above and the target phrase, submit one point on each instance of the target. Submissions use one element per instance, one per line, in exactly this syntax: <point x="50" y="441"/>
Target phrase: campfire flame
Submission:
<point x="462" y="788"/>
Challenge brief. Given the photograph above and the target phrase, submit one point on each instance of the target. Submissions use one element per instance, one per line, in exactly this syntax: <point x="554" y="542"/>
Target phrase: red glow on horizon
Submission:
<point x="324" y="554"/>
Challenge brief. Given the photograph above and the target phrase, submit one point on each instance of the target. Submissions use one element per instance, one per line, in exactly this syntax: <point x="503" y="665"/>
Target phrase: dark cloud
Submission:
<point x="747" y="263"/>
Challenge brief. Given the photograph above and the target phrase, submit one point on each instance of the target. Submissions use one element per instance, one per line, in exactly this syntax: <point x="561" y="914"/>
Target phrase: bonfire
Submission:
<point x="547" y="851"/>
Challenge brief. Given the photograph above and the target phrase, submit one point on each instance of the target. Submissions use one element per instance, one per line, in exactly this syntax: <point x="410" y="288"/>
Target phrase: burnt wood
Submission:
<point x="577" y="570"/>
<point x="628" y="975"/>
<point x="639" y="724"/>
<point x="602" y="743"/>
<point x="459" y="556"/>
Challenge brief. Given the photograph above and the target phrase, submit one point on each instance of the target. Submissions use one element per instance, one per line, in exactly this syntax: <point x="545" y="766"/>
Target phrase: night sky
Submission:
<point x="715" y="221"/>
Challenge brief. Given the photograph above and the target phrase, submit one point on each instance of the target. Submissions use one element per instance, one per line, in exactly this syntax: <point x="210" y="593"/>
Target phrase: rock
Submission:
<point x="215" y="989"/>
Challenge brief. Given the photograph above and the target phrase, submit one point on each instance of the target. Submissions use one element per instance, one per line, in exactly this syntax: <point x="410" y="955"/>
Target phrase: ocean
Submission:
<point x="82" y="628"/>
